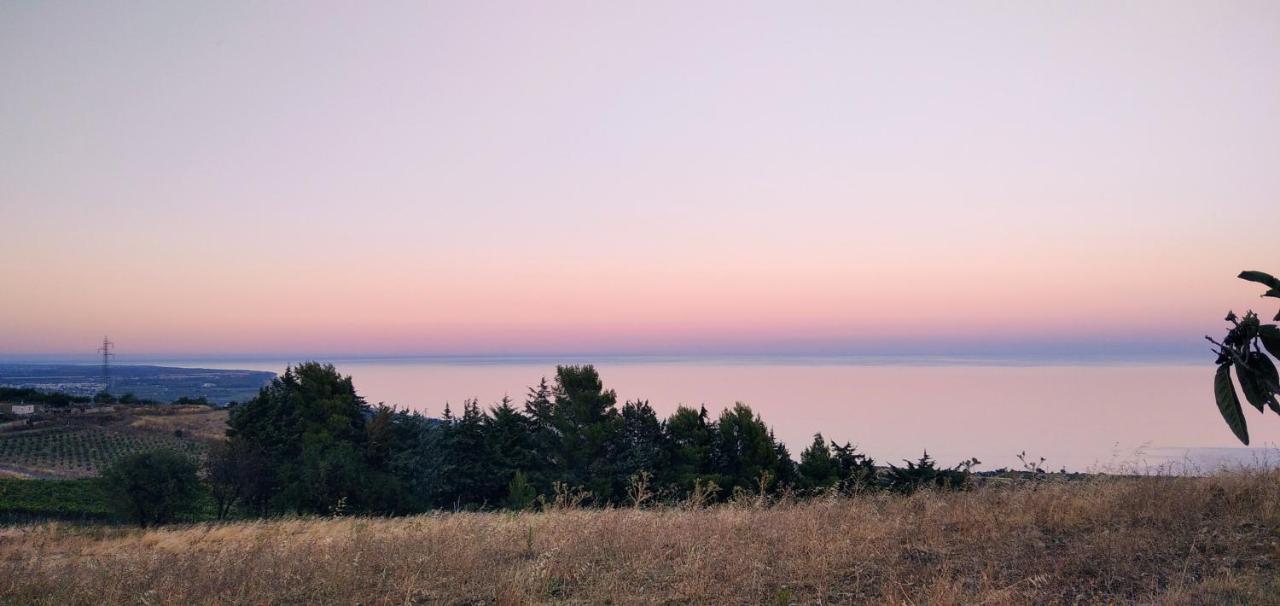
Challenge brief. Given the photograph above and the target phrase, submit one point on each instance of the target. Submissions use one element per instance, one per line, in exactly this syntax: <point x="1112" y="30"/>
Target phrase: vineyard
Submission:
<point x="24" y="501"/>
<point x="80" y="451"/>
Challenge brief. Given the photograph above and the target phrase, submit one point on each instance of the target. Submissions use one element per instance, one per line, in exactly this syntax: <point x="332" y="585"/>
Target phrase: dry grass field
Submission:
<point x="1213" y="540"/>
<point x="197" y="422"/>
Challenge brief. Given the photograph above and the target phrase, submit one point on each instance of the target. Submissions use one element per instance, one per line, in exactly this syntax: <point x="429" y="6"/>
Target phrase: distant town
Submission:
<point x="158" y="383"/>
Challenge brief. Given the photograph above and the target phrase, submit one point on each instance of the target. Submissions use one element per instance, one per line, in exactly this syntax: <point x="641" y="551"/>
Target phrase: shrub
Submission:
<point x="154" y="487"/>
<point x="925" y="472"/>
<point x="520" y="493"/>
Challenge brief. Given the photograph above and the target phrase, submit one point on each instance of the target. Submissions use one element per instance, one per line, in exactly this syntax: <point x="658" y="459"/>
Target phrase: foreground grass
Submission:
<point x="1212" y="540"/>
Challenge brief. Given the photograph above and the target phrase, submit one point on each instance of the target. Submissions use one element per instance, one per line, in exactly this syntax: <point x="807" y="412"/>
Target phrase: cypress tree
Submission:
<point x="817" y="468"/>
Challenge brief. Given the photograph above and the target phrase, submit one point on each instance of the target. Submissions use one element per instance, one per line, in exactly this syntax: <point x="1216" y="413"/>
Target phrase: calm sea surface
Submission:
<point x="1082" y="416"/>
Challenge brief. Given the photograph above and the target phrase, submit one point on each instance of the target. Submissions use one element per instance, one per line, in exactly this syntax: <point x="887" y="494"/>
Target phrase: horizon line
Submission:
<point x="943" y="357"/>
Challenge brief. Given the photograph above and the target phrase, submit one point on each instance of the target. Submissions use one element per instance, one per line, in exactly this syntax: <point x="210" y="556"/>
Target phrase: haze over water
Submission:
<point x="1117" y="415"/>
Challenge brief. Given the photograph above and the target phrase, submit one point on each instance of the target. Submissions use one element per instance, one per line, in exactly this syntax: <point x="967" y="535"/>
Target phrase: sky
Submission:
<point x="649" y="177"/>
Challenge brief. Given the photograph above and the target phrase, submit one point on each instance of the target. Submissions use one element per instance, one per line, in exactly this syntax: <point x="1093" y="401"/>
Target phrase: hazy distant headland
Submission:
<point x="159" y="383"/>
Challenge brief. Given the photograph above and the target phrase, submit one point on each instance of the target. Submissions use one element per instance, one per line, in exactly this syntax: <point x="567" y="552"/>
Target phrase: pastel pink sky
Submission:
<point x="478" y="177"/>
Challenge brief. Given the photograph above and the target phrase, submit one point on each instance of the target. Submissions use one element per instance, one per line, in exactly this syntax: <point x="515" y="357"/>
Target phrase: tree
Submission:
<point x="745" y="450"/>
<point x="784" y="474"/>
<point x="508" y="444"/>
<point x="467" y="478"/>
<point x="310" y="424"/>
<point x="818" y="469"/>
<point x="544" y="440"/>
<point x="416" y="459"/>
<point x="1243" y="349"/>
<point x="855" y="469"/>
<point x="642" y="445"/>
<point x="237" y="472"/>
<point x="586" y="422"/>
<point x="926" y="472"/>
<point x="153" y="487"/>
<point x="690" y="439"/>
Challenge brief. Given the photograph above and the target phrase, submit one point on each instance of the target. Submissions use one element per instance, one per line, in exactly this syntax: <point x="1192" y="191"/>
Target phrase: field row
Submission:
<point x="81" y="452"/>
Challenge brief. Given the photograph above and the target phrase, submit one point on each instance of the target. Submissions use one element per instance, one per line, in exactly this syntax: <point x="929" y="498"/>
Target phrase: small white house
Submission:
<point x="23" y="409"/>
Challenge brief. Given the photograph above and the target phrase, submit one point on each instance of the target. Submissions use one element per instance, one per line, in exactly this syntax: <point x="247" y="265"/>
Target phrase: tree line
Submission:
<point x="309" y="444"/>
<point x="60" y="399"/>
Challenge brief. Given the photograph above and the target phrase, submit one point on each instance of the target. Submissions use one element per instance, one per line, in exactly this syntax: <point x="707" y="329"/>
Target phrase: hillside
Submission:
<point x="1213" y="540"/>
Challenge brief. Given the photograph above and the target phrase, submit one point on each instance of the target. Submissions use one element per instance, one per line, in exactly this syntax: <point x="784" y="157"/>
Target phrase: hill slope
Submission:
<point x="1212" y="540"/>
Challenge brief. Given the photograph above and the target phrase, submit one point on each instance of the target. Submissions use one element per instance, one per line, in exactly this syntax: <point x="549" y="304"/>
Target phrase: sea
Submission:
<point x="1091" y="415"/>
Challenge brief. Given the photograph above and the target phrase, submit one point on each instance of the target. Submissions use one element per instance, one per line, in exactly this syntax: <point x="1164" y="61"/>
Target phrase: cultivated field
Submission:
<point x="79" y="446"/>
<point x="1212" y="540"/>
<point x="22" y="500"/>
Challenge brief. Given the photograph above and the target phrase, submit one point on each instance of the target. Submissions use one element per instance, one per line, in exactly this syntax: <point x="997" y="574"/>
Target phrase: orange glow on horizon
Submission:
<point x="468" y="179"/>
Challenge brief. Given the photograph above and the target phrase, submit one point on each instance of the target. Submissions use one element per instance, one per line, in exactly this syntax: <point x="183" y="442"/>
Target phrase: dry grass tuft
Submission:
<point x="1213" y="540"/>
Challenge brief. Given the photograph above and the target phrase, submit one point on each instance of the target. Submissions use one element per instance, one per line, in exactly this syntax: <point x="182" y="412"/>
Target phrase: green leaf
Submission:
<point x="1275" y="292"/>
<point x="1229" y="404"/>
<point x="1256" y="380"/>
<point x="1270" y="334"/>
<point x="1260" y="277"/>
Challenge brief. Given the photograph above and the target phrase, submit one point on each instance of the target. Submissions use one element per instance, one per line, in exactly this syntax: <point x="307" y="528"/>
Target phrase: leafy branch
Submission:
<point x="1243" y="348"/>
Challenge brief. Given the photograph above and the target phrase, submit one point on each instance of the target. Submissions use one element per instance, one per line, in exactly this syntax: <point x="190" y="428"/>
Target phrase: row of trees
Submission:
<point x="31" y="395"/>
<point x="59" y="399"/>
<point x="308" y="443"/>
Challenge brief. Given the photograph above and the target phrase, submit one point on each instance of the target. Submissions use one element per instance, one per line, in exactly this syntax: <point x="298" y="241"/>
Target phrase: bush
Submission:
<point x="925" y="473"/>
<point x="520" y="494"/>
<point x="154" y="487"/>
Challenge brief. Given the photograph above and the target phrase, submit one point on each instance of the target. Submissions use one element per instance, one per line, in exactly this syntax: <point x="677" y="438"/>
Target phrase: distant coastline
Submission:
<point x="151" y="382"/>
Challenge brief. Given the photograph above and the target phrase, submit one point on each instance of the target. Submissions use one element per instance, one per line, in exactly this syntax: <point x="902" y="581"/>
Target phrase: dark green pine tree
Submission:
<point x="818" y="469"/>
<point x="855" y="469"/>
<point x="785" y="474"/>
<point x="544" y="439"/>
<point x="417" y="459"/>
<point x="538" y="405"/>
<point x="310" y="424"/>
<point x="744" y="449"/>
<point x="641" y="447"/>
<point x="586" y="421"/>
<point x="464" y="478"/>
<point x="509" y="442"/>
<point x="690" y="436"/>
